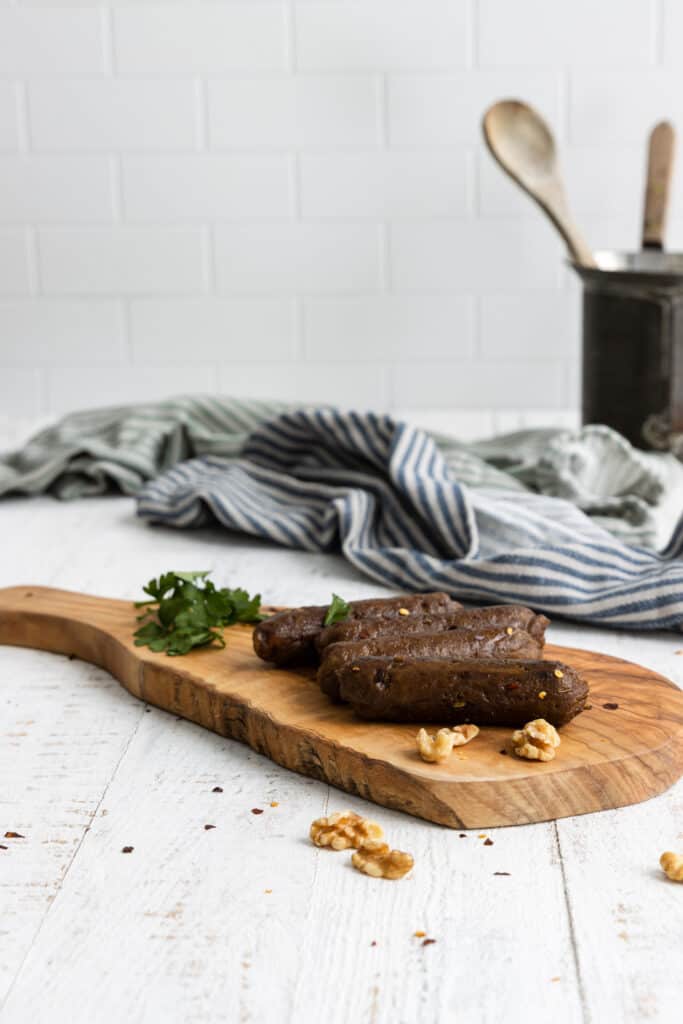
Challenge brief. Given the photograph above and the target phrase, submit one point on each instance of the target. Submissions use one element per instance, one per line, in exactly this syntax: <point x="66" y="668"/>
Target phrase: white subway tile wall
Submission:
<point x="16" y="267"/>
<point x="9" y="117"/>
<point x="116" y="115"/>
<point x="291" y="198"/>
<point x="180" y="38"/>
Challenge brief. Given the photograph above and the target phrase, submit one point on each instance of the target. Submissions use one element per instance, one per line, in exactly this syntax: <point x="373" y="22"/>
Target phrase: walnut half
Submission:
<point x="537" y="741"/>
<point x="672" y="866"/>
<point x="378" y="860"/>
<point x="343" y="831"/>
<point x="464" y="733"/>
<point x="437" y="748"/>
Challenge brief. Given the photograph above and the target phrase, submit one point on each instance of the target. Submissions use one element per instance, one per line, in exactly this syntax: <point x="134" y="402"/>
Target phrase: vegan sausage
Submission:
<point x="352" y="630"/>
<point x="456" y="644"/>
<point x="494" y="616"/>
<point x="289" y="636"/>
<point x="515" y="615"/>
<point x="485" y="692"/>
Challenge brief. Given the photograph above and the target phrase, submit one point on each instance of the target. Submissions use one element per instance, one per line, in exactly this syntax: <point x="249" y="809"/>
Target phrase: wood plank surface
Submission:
<point x="586" y="928"/>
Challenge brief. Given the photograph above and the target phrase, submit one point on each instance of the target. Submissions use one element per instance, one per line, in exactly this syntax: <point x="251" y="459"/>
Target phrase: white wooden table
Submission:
<point x="247" y="921"/>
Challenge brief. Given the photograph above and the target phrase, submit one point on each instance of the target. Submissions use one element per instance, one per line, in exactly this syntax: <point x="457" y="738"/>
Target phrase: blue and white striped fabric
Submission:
<point x="385" y="495"/>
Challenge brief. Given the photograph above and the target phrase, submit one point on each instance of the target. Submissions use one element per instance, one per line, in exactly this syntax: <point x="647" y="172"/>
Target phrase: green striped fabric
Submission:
<point x="636" y="495"/>
<point x="122" y="447"/>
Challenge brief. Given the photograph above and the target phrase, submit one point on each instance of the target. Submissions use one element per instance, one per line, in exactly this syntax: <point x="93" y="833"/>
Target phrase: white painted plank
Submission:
<point x="168" y="929"/>
<point x="182" y="928"/>
<point x="100" y="926"/>
<point x="625" y="914"/>
<point x="64" y="725"/>
<point x="486" y="965"/>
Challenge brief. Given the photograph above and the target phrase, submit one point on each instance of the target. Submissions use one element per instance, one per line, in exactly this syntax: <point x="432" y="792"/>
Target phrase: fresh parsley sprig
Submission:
<point x="186" y="610"/>
<point x="338" y="611"/>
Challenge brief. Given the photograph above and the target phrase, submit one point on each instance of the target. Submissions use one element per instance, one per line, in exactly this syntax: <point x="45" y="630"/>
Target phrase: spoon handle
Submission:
<point x="659" y="170"/>
<point x="579" y="249"/>
<point x="553" y="201"/>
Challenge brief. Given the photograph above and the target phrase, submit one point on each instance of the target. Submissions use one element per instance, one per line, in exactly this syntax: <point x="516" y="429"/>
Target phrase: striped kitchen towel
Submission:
<point x="122" y="447"/>
<point x="415" y="514"/>
<point x="568" y="521"/>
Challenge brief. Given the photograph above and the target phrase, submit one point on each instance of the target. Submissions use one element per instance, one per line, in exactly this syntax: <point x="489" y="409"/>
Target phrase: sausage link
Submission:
<point x="456" y="644"/>
<point x="450" y="692"/>
<point x="515" y="615"/>
<point x="289" y="636"/>
<point x="352" y="630"/>
<point x="498" y="616"/>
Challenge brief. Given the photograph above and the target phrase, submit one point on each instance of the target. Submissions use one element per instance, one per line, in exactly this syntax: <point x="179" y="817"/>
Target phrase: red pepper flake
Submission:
<point x="207" y="828"/>
<point x="512" y="686"/>
<point x="488" y="842"/>
<point x="610" y="706"/>
<point x="217" y="789"/>
<point x="127" y="849"/>
<point x="257" y="810"/>
<point x="14" y="835"/>
<point x="374" y="942"/>
<point x="501" y="872"/>
<point x="428" y="942"/>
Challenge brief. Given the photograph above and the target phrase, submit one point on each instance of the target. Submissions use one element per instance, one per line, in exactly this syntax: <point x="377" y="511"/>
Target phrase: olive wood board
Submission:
<point x="608" y="757"/>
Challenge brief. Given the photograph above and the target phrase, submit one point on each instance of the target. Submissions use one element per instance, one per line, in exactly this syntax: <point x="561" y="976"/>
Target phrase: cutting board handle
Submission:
<point x="94" y="629"/>
<point x="628" y="747"/>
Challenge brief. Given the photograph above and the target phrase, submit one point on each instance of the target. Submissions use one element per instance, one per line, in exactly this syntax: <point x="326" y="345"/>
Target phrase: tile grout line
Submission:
<point x="472" y="55"/>
<point x="657" y="19"/>
<point x="107" y="41"/>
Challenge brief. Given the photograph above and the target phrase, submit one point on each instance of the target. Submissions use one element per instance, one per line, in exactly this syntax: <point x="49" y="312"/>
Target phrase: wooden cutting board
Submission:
<point x="609" y="757"/>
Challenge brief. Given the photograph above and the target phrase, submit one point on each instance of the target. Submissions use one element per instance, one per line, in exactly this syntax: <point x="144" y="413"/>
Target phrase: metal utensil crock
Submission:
<point x="633" y="345"/>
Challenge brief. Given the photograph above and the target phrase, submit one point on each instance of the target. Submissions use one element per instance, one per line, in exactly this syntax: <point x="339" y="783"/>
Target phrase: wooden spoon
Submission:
<point x="522" y="143"/>
<point x="657" y="187"/>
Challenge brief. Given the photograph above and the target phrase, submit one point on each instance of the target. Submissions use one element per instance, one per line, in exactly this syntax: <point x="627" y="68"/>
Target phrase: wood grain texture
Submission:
<point x="609" y="757"/>
<point x="522" y="143"/>
<point x="658" y="184"/>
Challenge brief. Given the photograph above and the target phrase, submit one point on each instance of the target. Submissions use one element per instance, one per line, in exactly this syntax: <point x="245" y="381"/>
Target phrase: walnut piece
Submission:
<point x="537" y="741"/>
<point x="672" y="866"/>
<point x="464" y="733"/>
<point x="343" y="831"/>
<point x="377" y="859"/>
<point x="435" y="748"/>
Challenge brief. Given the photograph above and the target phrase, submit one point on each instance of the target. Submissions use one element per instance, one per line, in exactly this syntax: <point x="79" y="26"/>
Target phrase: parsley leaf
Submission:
<point x="338" y="611"/>
<point x="186" y="610"/>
